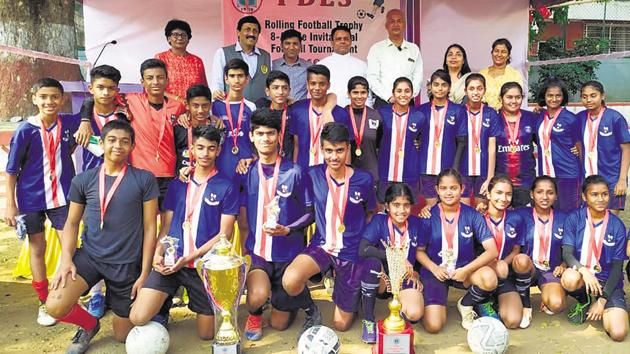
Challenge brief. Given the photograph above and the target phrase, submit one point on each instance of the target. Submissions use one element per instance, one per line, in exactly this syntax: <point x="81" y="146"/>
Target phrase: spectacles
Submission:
<point x="179" y="35"/>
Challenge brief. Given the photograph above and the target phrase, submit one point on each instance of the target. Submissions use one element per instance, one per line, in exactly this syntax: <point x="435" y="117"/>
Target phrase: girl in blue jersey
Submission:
<point x="440" y="148"/>
<point x="396" y="227"/>
<point x="447" y="256"/>
<point x="515" y="149"/>
<point x="559" y="142"/>
<point x="480" y="126"/>
<point x="594" y="247"/>
<point x="605" y="133"/>
<point x="544" y="229"/>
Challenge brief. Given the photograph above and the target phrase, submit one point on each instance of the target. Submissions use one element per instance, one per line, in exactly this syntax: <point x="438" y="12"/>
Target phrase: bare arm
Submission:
<point x="296" y="149"/>
<point x="69" y="237"/>
<point x="149" y="211"/>
<point x="12" y="210"/>
<point x="622" y="183"/>
<point x="515" y="250"/>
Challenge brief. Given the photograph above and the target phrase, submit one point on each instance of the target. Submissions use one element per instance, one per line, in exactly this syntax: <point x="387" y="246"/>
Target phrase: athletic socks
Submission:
<point x="258" y="312"/>
<point x="522" y="282"/>
<point x="368" y="299"/>
<point x="476" y="295"/>
<point x="41" y="288"/>
<point x="78" y="316"/>
<point x="580" y="295"/>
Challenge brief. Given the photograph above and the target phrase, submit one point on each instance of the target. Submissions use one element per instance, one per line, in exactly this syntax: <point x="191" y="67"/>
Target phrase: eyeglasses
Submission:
<point x="179" y="35"/>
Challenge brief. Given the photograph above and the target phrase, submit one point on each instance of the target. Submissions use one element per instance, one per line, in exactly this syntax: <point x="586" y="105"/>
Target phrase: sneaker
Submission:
<point x="312" y="319"/>
<point x="96" y="305"/>
<point x="369" y="332"/>
<point x="43" y="318"/>
<point x="546" y="309"/>
<point x="577" y="315"/>
<point x="253" y="327"/>
<point x="526" y="320"/>
<point x="81" y="340"/>
<point x="468" y="314"/>
<point x="487" y="310"/>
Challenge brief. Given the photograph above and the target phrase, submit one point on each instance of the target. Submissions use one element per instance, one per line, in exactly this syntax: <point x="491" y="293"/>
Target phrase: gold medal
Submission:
<point x="597" y="268"/>
<point x="591" y="154"/>
<point x="449" y="253"/>
<point x="282" y="153"/>
<point x="401" y="154"/>
<point x="186" y="225"/>
<point x="235" y="150"/>
<point x="547" y="152"/>
<point x="477" y="149"/>
<point x="358" y="152"/>
<point x="313" y="151"/>
<point x="437" y="144"/>
<point x="50" y="176"/>
<point x="545" y="263"/>
<point x="341" y="228"/>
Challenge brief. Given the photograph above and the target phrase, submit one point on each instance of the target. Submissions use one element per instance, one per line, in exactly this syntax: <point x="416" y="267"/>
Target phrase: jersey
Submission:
<point x="513" y="232"/>
<point x="438" y="144"/>
<point x="487" y="126"/>
<point x="378" y="230"/>
<point x="532" y="239"/>
<point x="556" y="159"/>
<point x="516" y="159"/>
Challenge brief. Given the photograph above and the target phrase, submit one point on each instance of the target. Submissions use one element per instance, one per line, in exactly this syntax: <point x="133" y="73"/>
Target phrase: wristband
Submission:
<point x="84" y="119"/>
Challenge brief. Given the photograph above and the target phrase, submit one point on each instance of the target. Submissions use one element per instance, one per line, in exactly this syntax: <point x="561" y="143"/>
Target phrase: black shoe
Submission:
<point x="81" y="340"/>
<point x="313" y="318"/>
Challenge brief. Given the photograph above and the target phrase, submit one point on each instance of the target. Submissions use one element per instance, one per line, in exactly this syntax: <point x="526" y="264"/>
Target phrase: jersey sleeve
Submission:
<point x="78" y="188"/>
<point x="575" y="130"/>
<point x="482" y="232"/>
<point x="495" y="123"/>
<point x="521" y="230"/>
<point x="462" y="122"/>
<point x="151" y="190"/>
<point x="170" y="200"/>
<point x="621" y="130"/>
<point x="620" y="243"/>
<point x="18" y="148"/>
<point x="293" y="119"/>
<point x="300" y="189"/>
<point x="372" y="232"/>
<point x="570" y="229"/>
<point x="232" y="203"/>
<point x="371" y="195"/>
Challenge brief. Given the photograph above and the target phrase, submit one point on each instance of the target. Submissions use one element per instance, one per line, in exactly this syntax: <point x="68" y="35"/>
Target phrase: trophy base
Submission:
<point x="226" y="349"/>
<point x="394" y="343"/>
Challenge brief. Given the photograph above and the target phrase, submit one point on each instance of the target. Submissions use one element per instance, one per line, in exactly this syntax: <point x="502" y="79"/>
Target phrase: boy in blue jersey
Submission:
<point x="39" y="170"/>
<point x="197" y="211"/>
<point x="118" y="205"/>
<point x="343" y="200"/>
<point x="198" y="106"/>
<point x="273" y="240"/>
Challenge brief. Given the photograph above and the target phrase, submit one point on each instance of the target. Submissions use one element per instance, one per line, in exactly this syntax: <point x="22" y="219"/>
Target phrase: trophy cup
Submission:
<point x="170" y="250"/>
<point x="273" y="213"/>
<point x="395" y="335"/>
<point x="223" y="276"/>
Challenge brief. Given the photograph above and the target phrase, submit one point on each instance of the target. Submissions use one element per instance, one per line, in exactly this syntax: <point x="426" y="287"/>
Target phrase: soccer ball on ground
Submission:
<point x="488" y="335"/>
<point x="152" y="338"/>
<point x="318" y="340"/>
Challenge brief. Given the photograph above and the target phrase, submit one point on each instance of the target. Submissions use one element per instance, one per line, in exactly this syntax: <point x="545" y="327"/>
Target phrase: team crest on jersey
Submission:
<point x="486" y="122"/>
<point x="413" y="127"/>
<point x="609" y="240"/>
<point x="511" y="232"/>
<point x="356" y="197"/>
<point x="558" y="128"/>
<point x="373" y="123"/>
<point x="467" y="232"/>
<point x="231" y="133"/>
<point x="528" y="129"/>
<point x="605" y="131"/>
<point x="284" y="191"/>
<point x="450" y="120"/>
<point x="558" y="234"/>
<point x="66" y="135"/>
<point x="212" y="201"/>
<point x="247" y="7"/>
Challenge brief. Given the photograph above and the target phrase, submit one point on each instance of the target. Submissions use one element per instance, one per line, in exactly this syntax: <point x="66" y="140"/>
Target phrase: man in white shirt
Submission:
<point x="342" y="64"/>
<point x="392" y="58"/>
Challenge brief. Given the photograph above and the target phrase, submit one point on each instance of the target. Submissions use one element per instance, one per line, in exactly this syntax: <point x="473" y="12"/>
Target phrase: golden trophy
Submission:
<point x="223" y="276"/>
<point x="394" y="334"/>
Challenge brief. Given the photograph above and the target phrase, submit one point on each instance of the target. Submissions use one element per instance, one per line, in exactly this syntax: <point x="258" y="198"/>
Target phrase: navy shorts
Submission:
<point x="542" y="277"/>
<point x="163" y="183"/>
<point x="198" y="301"/>
<point x="616" y="202"/>
<point x="427" y="186"/>
<point x="472" y="186"/>
<point x="280" y="300"/>
<point x="569" y="191"/>
<point x="119" y="280"/>
<point x="35" y="220"/>
<point x="347" y="292"/>
<point x="383" y="185"/>
<point x="616" y="299"/>
<point x="435" y="291"/>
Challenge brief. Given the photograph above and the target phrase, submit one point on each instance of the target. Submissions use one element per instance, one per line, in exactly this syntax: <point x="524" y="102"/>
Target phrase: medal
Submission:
<point x="591" y="154"/>
<point x="315" y="126"/>
<point x="313" y="151"/>
<point x="282" y="153"/>
<point x="547" y="153"/>
<point x="545" y="263"/>
<point x="400" y="124"/>
<point x="477" y="149"/>
<point x="437" y="144"/>
<point x="542" y="238"/>
<point x="449" y="235"/>
<point x="358" y="152"/>
<point x="401" y="154"/>
<point x="239" y="120"/>
<point x="475" y="132"/>
<point x="513" y="149"/>
<point x="339" y="197"/>
<point x="341" y="228"/>
<point x="235" y="150"/>
<point x="186" y="225"/>
<point x="358" y="133"/>
<point x="596" y="244"/>
<point x="597" y="268"/>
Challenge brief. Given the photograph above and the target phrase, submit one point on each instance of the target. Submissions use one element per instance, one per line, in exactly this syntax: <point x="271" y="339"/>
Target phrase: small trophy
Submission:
<point x="170" y="250"/>
<point x="223" y="276"/>
<point x="449" y="261"/>
<point x="395" y="335"/>
<point x="273" y="213"/>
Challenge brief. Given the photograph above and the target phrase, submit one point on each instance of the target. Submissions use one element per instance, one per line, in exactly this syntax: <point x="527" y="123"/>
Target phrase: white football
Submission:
<point x="318" y="340"/>
<point x="152" y="338"/>
<point x="488" y="335"/>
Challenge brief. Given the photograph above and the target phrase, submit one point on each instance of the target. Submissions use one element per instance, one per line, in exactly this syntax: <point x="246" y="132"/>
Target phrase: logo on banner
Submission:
<point x="247" y="6"/>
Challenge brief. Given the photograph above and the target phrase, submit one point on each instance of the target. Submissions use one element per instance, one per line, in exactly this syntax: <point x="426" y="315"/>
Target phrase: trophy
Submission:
<point x="394" y="334"/>
<point x="170" y="250"/>
<point x="223" y="276"/>
<point x="273" y="213"/>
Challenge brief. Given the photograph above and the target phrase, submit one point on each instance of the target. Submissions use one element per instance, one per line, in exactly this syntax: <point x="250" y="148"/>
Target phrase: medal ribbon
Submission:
<point x="269" y="192"/>
<point x="548" y="124"/>
<point x="282" y="129"/>
<point x="339" y="201"/>
<point x="595" y="247"/>
<point x="544" y="235"/>
<point x="315" y="131"/>
<point x="404" y="233"/>
<point x="103" y="199"/>
<point x="191" y="201"/>
<point x="237" y="131"/>
<point x="438" y="121"/>
<point x="191" y="156"/>
<point x="592" y="138"/>
<point x="98" y="119"/>
<point x="498" y="232"/>
<point x="513" y="134"/>
<point x="449" y="228"/>
<point x="400" y="119"/>
<point x="475" y="125"/>
<point x="50" y="152"/>
<point x="358" y="134"/>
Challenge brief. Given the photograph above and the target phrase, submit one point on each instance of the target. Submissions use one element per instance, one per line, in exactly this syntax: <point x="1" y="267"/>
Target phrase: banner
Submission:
<point x="314" y="19"/>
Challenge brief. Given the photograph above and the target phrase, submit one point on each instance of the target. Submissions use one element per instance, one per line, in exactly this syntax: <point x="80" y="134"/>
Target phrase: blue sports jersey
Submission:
<point x="89" y="159"/>
<point x="471" y="229"/>
<point x="532" y="245"/>
<point x="220" y="197"/>
<point x="577" y="234"/>
<point x="361" y="199"/>
<point x="293" y="201"/>
<point x="558" y="160"/>
<point x="517" y="160"/>
<point x="27" y="160"/>
<point x="227" y="161"/>
<point x="378" y="230"/>
<point x="436" y="156"/>
<point x="300" y="118"/>
<point x="612" y="132"/>
<point x="390" y="166"/>
<point x="490" y="127"/>
<point x="513" y="232"/>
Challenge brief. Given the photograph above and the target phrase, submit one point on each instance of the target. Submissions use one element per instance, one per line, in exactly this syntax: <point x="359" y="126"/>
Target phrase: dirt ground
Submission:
<point x="19" y="333"/>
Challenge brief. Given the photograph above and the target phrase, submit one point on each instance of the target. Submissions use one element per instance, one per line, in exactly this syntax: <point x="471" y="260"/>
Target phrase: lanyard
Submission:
<point x="449" y="228"/>
<point x="401" y="129"/>
<point x="592" y="138"/>
<point x="103" y="199"/>
<point x="315" y="129"/>
<point x="475" y="124"/>
<point x="237" y="131"/>
<point x="51" y="143"/>
<point x="339" y="200"/>
<point x="498" y="232"/>
<point x="99" y="119"/>
<point x="595" y="247"/>
<point x="404" y="233"/>
<point x="358" y="133"/>
<point x="547" y="126"/>
<point x="544" y="236"/>
<point x="282" y="129"/>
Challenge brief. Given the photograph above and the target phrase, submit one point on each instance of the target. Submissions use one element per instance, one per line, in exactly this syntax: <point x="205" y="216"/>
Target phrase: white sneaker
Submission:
<point x="468" y="314"/>
<point x="526" y="320"/>
<point x="546" y="309"/>
<point x="43" y="318"/>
